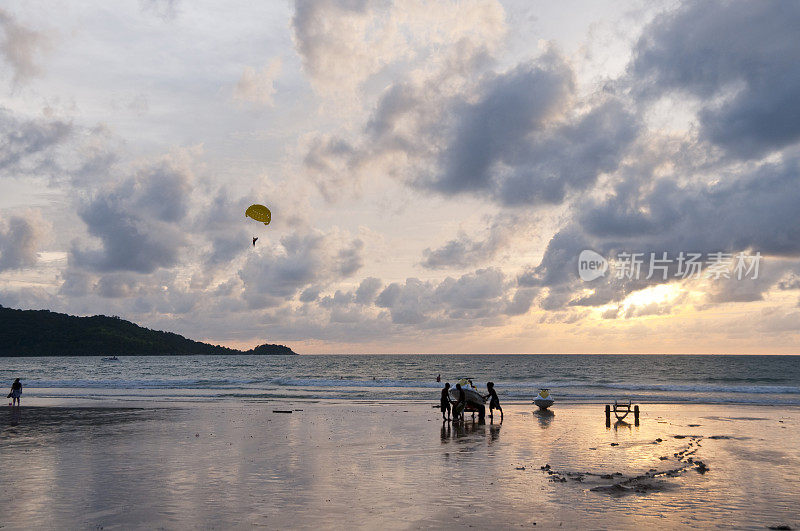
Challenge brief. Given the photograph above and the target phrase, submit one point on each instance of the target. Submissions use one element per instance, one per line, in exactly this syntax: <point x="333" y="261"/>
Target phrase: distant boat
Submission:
<point x="111" y="358"/>
<point x="543" y="399"/>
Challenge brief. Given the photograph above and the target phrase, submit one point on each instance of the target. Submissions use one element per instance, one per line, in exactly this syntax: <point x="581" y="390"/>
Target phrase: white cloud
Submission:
<point x="258" y="86"/>
<point x="20" y="47"/>
<point x="21" y="239"/>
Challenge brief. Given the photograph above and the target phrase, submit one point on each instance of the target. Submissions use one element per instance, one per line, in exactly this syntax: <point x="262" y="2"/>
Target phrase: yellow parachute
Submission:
<point x="259" y="213"/>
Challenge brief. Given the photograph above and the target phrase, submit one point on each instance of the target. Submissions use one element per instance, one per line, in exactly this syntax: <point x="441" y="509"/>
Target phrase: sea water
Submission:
<point x="574" y="378"/>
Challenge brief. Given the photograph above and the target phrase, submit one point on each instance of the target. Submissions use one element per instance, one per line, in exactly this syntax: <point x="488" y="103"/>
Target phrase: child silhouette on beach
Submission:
<point x="16" y="393"/>
<point x="444" y="404"/>
<point x="494" y="403"/>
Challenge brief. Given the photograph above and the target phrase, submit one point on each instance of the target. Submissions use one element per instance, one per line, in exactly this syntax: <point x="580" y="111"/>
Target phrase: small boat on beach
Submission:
<point x="474" y="398"/>
<point x="110" y="358"/>
<point x="543" y="399"/>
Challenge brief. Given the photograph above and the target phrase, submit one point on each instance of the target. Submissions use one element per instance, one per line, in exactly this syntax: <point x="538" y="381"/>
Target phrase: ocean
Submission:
<point x="712" y="379"/>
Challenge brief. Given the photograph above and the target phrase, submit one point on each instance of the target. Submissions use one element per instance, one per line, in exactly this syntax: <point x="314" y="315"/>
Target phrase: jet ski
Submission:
<point x="543" y="399"/>
<point x="111" y="358"/>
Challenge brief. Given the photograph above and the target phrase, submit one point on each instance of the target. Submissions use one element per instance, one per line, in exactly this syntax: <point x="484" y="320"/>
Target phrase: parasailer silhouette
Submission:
<point x="258" y="213"/>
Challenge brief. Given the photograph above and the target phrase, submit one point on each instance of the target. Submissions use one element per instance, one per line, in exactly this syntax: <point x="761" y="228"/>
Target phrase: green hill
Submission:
<point x="46" y="333"/>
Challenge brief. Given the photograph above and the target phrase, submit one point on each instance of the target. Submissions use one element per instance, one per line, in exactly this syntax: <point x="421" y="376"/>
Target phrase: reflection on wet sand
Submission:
<point x="39" y="425"/>
<point x="545" y="417"/>
<point x="622" y="424"/>
<point x="469" y="431"/>
<point x="348" y="465"/>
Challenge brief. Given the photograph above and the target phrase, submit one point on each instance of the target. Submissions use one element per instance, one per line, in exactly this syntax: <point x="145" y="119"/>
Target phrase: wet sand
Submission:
<point x="367" y="465"/>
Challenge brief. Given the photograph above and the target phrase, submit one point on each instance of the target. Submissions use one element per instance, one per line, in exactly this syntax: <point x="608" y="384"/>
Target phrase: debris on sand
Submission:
<point x="651" y="481"/>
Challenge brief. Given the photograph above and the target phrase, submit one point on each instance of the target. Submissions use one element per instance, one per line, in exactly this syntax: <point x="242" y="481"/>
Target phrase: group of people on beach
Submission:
<point x="459" y="405"/>
<point x="16" y="393"/>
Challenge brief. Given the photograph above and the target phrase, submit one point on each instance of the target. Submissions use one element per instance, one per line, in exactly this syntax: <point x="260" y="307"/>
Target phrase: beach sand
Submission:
<point x="369" y="465"/>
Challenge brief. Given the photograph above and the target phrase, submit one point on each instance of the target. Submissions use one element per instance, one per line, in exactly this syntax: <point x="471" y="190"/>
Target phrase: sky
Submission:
<point x="434" y="172"/>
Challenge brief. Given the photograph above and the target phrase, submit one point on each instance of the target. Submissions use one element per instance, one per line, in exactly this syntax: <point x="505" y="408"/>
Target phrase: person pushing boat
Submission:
<point x="444" y="404"/>
<point x="494" y="403"/>
<point x="461" y="403"/>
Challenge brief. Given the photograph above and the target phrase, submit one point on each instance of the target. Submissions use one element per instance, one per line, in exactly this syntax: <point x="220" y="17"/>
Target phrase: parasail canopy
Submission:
<point x="259" y="213"/>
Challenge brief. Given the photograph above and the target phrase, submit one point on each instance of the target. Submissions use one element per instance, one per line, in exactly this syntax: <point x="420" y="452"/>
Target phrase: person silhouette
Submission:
<point x="444" y="403"/>
<point x="494" y="403"/>
<point x="16" y="393"/>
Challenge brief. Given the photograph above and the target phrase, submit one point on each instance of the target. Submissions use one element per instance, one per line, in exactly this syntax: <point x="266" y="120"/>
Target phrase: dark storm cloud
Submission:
<point x="756" y="212"/>
<point x="349" y="259"/>
<point x="136" y="222"/>
<point x="517" y="137"/>
<point x="521" y="144"/>
<point x="740" y="58"/>
<point x="522" y="301"/>
<point x="568" y="158"/>
<point x="367" y="290"/>
<point x="495" y="128"/>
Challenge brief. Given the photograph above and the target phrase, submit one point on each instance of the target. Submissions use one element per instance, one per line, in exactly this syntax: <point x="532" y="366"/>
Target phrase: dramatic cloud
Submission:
<point x="136" y="222"/>
<point x="516" y="137"/>
<point x="459" y="138"/>
<point x="367" y="290"/>
<point x="754" y="213"/>
<point x="518" y="145"/>
<point x="740" y="59"/>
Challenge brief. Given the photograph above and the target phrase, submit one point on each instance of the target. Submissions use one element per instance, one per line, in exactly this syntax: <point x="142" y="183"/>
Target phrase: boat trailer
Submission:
<point x="621" y="410"/>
